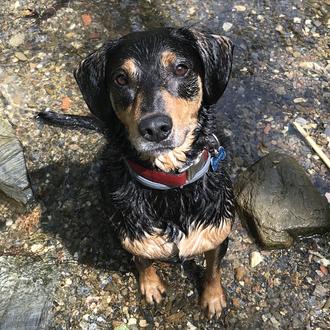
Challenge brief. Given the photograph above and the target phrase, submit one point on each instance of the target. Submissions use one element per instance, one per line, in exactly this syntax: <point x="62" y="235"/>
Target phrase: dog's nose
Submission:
<point x="155" y="128"/>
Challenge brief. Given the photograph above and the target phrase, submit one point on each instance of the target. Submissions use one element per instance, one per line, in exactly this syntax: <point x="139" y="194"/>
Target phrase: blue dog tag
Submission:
<point x="217" y="158"/>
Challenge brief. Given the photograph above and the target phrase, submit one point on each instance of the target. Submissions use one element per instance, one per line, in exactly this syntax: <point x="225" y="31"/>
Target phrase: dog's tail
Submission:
<point x="72" y="121"/>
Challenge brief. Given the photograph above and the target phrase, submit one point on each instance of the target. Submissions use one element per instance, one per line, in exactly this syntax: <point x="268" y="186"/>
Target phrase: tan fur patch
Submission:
<point x="167" y="58"/>
<point x="131" y="116"/>
<point x="175" y="158"/>
<point x="198" y="241"/>
<point x="184" y="115"/>
<point x="203" y="239"/>
<point x="151" y="247"/>
<point x="130" y="67"/>
<point x="151" y="286"/>
<point x="213" y="298"/>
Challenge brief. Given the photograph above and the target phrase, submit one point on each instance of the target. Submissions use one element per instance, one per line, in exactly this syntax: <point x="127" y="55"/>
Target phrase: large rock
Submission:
<point x="279" y="203"/>
<point x="13" y="175"/>
<point x="26" y="292"/>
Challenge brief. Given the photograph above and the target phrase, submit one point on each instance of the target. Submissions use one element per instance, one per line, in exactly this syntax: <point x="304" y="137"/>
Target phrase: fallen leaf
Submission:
<point x="324" y="270"/>
<point x="240" y="273"/>
<point x="87" y="19"/>
<point x="66" y="103"/>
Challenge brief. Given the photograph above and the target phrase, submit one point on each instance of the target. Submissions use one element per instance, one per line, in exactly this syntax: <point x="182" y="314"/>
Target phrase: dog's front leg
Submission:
<point x="151" y="285"/>
<point x="213" y="298"/>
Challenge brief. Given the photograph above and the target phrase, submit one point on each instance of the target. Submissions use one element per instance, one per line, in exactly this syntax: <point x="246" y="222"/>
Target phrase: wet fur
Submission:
<point x="155" y="224"/>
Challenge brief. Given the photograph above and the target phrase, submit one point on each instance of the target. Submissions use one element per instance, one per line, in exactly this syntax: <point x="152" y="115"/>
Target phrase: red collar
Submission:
<point x="162" y="180"/>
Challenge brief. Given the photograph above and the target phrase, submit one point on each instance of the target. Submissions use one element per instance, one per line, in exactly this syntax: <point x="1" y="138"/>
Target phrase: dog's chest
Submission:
<point x="158" y="245"/>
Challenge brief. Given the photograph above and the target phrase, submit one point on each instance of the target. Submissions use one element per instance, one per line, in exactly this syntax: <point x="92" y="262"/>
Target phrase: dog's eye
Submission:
<point x="121" y="80"/>
<point x="181" y="70"/>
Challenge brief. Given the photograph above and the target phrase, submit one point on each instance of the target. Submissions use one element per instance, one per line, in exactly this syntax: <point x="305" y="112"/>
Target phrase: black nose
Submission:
<point x="155" y="128"/>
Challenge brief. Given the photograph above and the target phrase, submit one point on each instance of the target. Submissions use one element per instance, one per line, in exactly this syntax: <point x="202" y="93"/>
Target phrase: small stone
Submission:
<point x="327" y="196"/>
<point x="275" y="323"/>
<point x="125" y="310"/>
<point x="247" y="280"/>
<point x="9" y="223"/>
<point x="260" y="18"/>
<point x="101" y="319"/>
<point x="227" y="26"/>
<point x="132" y="321"/>
<point x="320" y="291"/>
<point x="319" y="273"/>
<point x="327" y="305"/>
<point x="191" y="11"/>
<point x="240" y="272"/>
<point x="116" y="323"/>
<point x="121" y="327"/>
<point x="176" y="317"/>
<point x="299" y="100"/>
<point x="239" y="8"/>
<point x="264" y="318"/>
<point x="255" y="259"/>
<point x="190" y="326"/>
<point x="276" y="281"/>
<point x="143" y="323"/>
<point x="267" y="128"/>
<point x="16" y="40"/>
<point x="21" y="56"/>
<point x="76" y="44"/>
<point x="279" y="28"/>
<point x="68" y="281"/>
<point x="306" y="65"/>
<point x="36" y="248"/>
<point x="301" y="121"/>
<point x="327" y="132"/>
<point x="297" y="20"/>
<point x="280" y="90"/>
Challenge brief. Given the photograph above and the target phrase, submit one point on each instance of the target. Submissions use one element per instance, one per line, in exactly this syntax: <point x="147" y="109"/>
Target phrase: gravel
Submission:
<point x="62" y="243"/>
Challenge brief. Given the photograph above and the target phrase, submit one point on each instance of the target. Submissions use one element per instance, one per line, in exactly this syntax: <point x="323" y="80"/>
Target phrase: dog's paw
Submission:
<point x="213" y="300"/>
<point x="152" y="287"/>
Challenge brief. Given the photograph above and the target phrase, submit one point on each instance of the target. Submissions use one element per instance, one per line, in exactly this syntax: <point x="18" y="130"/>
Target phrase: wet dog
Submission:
<point x="165" y="181"/>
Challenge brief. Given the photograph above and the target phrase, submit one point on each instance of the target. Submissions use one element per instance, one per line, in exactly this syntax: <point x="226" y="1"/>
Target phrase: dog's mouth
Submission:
<point x="153" y="149"/>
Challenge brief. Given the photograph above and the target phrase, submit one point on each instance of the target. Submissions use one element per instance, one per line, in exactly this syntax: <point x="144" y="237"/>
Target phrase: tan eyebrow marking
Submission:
<point x="167" y="58"/>
<point x="130" y="66"/>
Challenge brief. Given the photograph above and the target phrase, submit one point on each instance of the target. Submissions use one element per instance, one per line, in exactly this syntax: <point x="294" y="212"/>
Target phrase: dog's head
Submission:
<point x="154" y="83"/>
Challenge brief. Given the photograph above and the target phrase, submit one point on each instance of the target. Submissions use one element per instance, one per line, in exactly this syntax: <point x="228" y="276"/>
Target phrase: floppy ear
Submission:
<point x="216" y="53"/>
<point x="91" y="79"/>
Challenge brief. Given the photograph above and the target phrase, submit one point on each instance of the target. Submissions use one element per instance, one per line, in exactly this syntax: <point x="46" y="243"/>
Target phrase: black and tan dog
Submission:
<point x="153" y="91"/>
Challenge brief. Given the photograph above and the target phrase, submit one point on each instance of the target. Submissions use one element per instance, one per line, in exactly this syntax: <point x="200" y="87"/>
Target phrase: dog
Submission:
<point x="165" y="179"/>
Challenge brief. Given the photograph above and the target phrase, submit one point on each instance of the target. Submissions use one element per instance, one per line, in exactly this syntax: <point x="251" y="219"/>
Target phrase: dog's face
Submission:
<point x="155" y="83"/>
<point x="155" y="91"/>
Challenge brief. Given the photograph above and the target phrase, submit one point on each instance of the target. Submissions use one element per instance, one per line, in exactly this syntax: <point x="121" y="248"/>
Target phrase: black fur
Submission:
<point x="72" y="121"/>
<point x="213" y="53"/>
<point x="137" y="210"/>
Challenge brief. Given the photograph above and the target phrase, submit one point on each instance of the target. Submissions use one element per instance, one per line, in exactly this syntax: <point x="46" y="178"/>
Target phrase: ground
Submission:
<point x="58" y="256"/>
